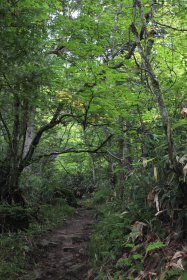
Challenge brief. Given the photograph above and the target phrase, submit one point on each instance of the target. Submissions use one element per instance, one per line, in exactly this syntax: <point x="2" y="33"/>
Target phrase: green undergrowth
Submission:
<point x="110" y="232"/>
<point x="16" y="248"/>
<point x="109" y="236"/>
<point x="127" y="243"/>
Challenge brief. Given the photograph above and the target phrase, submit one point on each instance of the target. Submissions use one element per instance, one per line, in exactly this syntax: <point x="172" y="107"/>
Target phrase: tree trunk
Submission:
<point x="94" y="178"/>
<point x="30" y="131"/>
<point x="112" y="174"/>
<point x="124" y="154"/>
<point x="10" y="191"/>
<point x="154" y="84"/>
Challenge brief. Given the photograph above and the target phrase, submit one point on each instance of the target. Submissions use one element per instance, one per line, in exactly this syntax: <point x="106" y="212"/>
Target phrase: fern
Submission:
<point x="124" y="263"/>
<point x="129" y="245"/>
<point x="155" y="246"/>
<point x="137" y="256"/>
<point x="172" y="273"/>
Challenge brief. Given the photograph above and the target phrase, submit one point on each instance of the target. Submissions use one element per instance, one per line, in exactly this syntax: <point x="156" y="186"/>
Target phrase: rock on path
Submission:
<point x="64" y="249"/>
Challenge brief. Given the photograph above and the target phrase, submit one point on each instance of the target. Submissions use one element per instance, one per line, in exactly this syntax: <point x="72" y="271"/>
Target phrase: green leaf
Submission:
<point x="180" y="123"/>
<point x="157" y="245"/>
<point x="184" y="276"/>
<point x="137" y="256"/>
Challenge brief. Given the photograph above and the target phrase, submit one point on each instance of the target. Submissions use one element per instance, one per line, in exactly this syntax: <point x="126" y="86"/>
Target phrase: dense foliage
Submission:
<point x="93" y="103"/>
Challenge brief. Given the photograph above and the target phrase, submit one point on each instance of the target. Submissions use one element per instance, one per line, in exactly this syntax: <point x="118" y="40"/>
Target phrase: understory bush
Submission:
<point x="133" y="238"/>
<point x="16" y="248"/>
<point x="110" y="233"/>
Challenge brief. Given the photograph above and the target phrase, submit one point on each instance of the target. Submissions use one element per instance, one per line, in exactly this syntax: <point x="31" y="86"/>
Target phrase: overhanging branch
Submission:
<point x="56" y="119"/>
<point x="171" y="27"/>
<point x="72" y="150"/>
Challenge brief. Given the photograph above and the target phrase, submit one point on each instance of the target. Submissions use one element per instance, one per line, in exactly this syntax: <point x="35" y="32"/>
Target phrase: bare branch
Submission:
<point x="72" y="150"/>
<point x="113" y="156"/>
<point x="87" y="110"/>
<point x="171" y="27"/>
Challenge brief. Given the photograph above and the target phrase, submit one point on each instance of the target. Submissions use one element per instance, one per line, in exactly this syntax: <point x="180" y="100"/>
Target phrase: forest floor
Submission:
<point x="62" y="252"/>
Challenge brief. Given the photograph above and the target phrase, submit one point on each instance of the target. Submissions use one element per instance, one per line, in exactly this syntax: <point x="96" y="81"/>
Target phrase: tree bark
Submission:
<point x="124" y="154"/>
<point x="154" y="85"/>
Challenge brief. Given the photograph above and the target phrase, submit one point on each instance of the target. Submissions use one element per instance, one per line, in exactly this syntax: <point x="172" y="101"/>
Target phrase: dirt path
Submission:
<point x="63" y="250"/>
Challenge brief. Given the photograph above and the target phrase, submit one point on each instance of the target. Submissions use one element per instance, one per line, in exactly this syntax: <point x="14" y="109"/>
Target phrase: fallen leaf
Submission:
<point x="184" y="112"/>
<point x="178" y="264"/>
<point x="157" y="202"/>
<point x="178" y="254"/>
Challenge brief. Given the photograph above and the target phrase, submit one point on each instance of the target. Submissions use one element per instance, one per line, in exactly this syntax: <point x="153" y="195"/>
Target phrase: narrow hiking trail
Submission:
<point x="63" y="250"/>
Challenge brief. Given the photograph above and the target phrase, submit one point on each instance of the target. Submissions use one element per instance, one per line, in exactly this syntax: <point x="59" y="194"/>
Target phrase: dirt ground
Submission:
<point x="63" y="251"/>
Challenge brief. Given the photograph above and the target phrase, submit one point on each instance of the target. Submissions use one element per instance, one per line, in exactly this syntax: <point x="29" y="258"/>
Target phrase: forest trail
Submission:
<point x="63" y="250"/>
